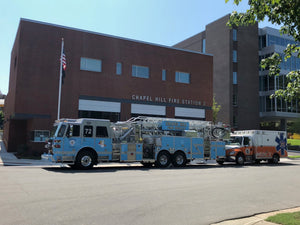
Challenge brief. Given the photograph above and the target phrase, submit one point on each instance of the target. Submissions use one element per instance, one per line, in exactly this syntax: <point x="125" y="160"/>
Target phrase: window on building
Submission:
<point x="164" y="75"/>
<point x="262" y="103"/>
<point x="101" y="132"/>
<point x="140" y="71"/>
<point x="234" y="78"/>
<point x="88" y="131"/>
<point x="203" y="45"/>
<point x="119" y="68"/>
<point x="269" y="105"/>
<point x="40" y="135"/>
<point x="271" y="83"/>
<point x="112" y="116"/>
<point x="234" y="99"/>
<point x="182" y="77"/>
<point x="234" y="121"/>
<point x="262" y="42"/>
<point x="94" y="65"/>
<point x="234" y="34"/>
<point x="234" y="56"/>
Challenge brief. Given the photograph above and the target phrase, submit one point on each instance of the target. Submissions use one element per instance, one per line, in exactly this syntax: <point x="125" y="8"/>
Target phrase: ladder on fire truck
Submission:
<point x="153" y="125"/>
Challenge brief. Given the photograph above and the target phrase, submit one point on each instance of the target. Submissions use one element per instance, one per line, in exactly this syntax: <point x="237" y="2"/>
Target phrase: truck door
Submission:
<point x="247" y="143"/>
<point x="87" y="138"/>
<point x="71" y="143"/>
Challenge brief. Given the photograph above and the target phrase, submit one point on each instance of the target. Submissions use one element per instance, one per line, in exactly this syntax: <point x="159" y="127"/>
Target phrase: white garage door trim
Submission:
<point x="99" y="106"/>
<point x="190" y="112"/>
<point x="148" y="109"/>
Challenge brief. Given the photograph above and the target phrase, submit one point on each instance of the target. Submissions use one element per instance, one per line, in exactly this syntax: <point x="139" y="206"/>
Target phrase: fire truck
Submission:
<point x="83" y="143"/>
<point x="256" y="146"/>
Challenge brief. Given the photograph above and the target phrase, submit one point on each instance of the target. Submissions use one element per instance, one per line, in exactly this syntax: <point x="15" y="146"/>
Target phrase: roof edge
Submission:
<point x="113" y="36"/>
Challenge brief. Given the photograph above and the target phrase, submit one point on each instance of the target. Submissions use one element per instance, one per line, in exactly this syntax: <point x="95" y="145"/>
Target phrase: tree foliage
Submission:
<point x="215" y="108"/>
<point x="285" y="13"/>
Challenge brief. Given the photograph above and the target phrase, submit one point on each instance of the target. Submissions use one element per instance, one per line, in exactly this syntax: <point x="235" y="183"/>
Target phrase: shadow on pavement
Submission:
<point x="111" y="169"/>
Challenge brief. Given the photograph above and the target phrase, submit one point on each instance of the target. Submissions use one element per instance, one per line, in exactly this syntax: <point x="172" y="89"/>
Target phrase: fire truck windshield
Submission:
<point x="62" y="130"/>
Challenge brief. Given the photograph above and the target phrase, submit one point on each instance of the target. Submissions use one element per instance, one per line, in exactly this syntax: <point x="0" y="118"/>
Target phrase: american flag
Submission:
<point x="64" y="65"/>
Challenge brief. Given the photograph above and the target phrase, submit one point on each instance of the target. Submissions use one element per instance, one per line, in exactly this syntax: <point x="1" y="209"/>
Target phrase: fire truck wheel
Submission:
<point x="179" y="159"/>
<point x="240" y="160"/>
<point x="220" y="162"/>
<point x="84" y="160"/>
<point x="163" y="159"/>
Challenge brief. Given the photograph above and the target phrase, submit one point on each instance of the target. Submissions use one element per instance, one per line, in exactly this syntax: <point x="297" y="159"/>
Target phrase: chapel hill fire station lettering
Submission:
<point x="148" y="98"/>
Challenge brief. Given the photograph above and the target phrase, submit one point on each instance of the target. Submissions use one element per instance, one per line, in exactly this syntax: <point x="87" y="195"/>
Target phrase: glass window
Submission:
<point x="203" y="45"/>
<point x="40" y="135"/>
<point x="61" y="131"/>
<point x="234" y="78"/>
<point x="88" y="131"/>
<point x="75" y="129"/>
<point x="234" y="120"/>
<point x="119" y="68"/>
<point x="182" y="77"/>
<point x="234" y="99"/>
<point x="279" y="103"/>
<point x="246" y="141"/>
<point x="94" y="65"/>
<point x="140" y="71"/>
<point x="271" y="83"/>
<point x="234" y="34"/>
<point x="262" y="103"/>
<point x="234" y="56"/>
<point x="164" y="75"/>
<point x="268" y="104"/>
<point x="101" y="132"/>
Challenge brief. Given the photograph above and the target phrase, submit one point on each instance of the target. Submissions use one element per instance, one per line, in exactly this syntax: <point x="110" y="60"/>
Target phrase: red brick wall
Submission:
<point x="34" y="88"/>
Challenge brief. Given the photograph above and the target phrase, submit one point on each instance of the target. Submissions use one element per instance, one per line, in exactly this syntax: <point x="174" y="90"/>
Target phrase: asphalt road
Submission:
<point x="133" y="195"/>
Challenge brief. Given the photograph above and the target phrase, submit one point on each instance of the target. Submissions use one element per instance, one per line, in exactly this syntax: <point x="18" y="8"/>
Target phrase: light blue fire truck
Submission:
<point x="83" y="143"/>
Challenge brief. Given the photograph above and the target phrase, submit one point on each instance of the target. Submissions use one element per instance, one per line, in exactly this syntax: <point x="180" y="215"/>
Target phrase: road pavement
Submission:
<point x="33" y="193"/>
<point x="202" y="194"/>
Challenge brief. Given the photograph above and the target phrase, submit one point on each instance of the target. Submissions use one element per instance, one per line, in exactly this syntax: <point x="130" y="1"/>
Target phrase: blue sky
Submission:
<point x="164" y="22"/>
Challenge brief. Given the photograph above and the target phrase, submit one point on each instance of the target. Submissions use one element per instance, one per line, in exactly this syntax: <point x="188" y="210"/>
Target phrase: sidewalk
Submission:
<point x="9" y="159"/>
<point x="258" y="219"/>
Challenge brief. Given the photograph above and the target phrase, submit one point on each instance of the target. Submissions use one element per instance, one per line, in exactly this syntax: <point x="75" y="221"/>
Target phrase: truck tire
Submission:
<point x="220" y="162"/>
<point x="85" y="160"/>
<point x="240" y="160"/>
<point x="163" y="159"/>
<point x="179" y="159"/>
<point x="275" y="159"/>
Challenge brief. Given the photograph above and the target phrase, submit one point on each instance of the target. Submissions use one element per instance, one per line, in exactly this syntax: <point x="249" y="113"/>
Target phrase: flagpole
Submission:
<point x="60" y="79"/>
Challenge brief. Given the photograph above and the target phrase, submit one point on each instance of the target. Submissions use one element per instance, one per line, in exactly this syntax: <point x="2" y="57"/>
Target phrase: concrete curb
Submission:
<point x="258" y="219"/>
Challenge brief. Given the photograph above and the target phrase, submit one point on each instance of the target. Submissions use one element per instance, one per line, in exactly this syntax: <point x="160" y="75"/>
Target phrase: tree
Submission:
<point x="295" y="126"/>
<point x="285" y="13"/>
<point x="215" y="108"/>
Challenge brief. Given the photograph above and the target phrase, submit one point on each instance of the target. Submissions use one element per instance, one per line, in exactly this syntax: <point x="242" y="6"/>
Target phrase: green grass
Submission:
<point x="293" y="141"/>
<point x="294" y="157"/>
<point x="285" y="218"/>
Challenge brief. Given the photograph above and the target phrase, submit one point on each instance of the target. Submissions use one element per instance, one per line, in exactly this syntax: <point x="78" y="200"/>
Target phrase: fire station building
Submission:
<point x="106" y="77"/>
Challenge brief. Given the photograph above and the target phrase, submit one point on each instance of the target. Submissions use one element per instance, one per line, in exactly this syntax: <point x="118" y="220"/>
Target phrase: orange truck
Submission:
<point x="256" y="146"/>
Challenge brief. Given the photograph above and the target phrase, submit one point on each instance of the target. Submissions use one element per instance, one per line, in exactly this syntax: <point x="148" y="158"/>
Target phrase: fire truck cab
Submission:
<point x="256" y="146"/>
